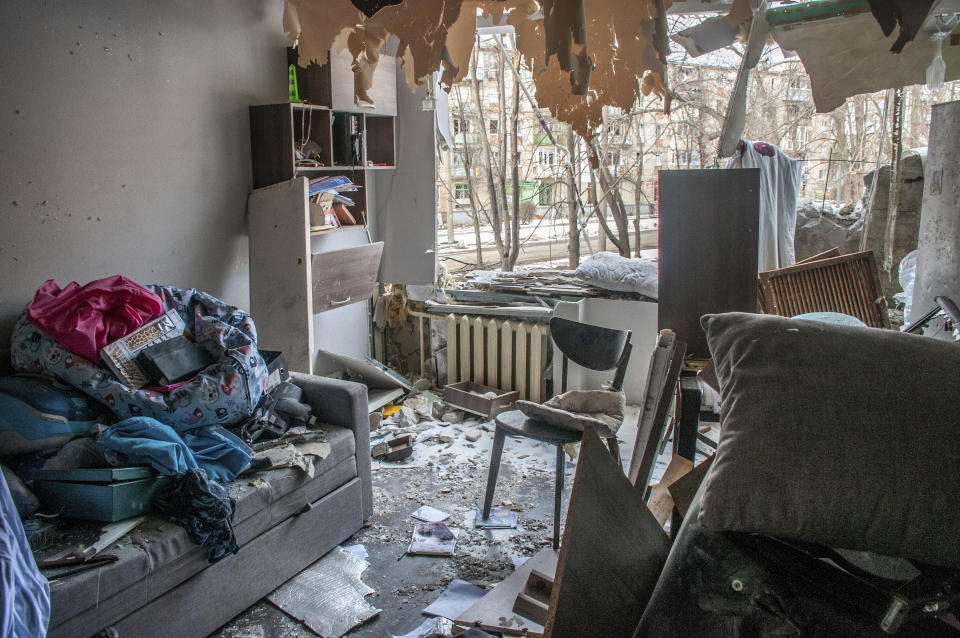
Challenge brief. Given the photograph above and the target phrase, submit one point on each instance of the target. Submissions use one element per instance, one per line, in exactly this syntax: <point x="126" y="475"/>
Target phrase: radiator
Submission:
<point x="504" y="354"/>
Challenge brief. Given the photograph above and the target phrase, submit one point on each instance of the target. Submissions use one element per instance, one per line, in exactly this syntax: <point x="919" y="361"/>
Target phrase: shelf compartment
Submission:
<point x="381" y="141"/>
<point x="347" y="138"/>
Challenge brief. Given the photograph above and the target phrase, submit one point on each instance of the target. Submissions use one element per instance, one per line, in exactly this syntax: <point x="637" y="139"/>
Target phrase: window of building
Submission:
<point x="460" y="125"/>
<point x="546" y="158"/>
<point x="457" y="156"/>
<point x="658" y="159"/>
<point x="613" y="158"/>
<point x="461" y="191"/>
<point x="492" y="126"/>
<point x="545" y="195"/>
<point x="683" y="157"/>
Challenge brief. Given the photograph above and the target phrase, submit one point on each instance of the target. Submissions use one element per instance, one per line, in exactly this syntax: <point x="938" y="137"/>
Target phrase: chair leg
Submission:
<point x="615" y="450"/>
<point x="495" y="455"/>
<point x="557" y="497"/>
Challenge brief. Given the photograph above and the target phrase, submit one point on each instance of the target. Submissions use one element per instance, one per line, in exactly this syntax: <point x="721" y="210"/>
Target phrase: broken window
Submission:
<point x="492" y="126"/>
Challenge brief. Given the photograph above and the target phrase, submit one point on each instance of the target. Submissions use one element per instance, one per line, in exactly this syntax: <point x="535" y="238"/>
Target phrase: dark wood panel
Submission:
<point x="313" y="80"/>
<point x="612" y="554"/>
<point x="271" y="144"/>
<point x="381" y="144"/>
<point x="708" y="248"/>
<point x="343" y="277"/>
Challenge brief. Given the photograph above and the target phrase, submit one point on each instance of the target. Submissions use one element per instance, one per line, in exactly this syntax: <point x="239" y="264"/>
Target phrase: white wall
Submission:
<point x="638" y="316"/>
<point x="125" y="141"/>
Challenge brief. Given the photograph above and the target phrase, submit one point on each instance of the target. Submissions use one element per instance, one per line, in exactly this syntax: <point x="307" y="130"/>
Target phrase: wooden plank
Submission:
<point x="661" y="502"/>
<point x="281" y="297"/>
<point x="645" y="449"/>
<point x="343" y="277"/>
<point x="271" y="144"/>
<point x="708" y="248"/>
<point x="683" y="489"/>
<point x="612" y="553"/>
<point x="494" y="612"/>
<point x="660" y="360"/>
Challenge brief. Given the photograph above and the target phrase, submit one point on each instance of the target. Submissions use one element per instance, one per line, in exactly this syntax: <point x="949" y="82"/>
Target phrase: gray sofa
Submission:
<point x="162" y="585"/>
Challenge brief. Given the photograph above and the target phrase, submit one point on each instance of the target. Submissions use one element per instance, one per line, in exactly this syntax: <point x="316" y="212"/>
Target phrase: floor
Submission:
<point x="446" y="471"/>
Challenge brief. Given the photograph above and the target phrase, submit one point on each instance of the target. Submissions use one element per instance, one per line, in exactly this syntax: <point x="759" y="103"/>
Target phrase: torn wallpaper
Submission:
<point x="584" y="55"/>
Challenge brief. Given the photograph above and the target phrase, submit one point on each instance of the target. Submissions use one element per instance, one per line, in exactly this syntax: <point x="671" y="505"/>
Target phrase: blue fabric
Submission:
<point x="26" y="593"/>
<point x="146" y="441"/>
<point x="141" y="440"/>
<point x="222" y="454"/>
<point x="224" y="393"/>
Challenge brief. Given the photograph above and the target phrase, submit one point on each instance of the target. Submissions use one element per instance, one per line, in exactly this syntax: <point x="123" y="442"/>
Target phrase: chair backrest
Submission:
<point x="591" y="347"/>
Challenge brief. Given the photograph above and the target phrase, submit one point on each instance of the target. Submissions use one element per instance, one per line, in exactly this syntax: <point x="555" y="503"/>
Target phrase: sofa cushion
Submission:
<point x="159" y="555"/>
<point x="837" y="435"/>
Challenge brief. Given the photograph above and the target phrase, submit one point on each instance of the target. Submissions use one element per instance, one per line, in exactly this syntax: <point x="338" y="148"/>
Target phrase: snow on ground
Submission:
<point x="539" y="230"/>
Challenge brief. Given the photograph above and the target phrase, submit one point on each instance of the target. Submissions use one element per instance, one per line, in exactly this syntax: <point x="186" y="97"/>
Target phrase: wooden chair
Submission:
<point x="590" y="347"/>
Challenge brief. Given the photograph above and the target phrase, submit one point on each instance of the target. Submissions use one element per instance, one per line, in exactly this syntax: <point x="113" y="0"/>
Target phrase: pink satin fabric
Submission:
<point x="83" y="319"/>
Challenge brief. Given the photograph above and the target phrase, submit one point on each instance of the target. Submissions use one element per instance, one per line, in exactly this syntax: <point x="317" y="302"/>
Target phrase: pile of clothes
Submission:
<point x="179" y="429"/>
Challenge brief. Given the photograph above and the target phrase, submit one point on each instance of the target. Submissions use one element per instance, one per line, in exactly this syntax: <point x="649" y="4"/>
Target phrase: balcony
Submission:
<point x="542" y="139"/>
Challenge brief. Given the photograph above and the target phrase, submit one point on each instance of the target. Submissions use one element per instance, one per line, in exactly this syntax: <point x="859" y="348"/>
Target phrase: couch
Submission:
<point x="162" y="584"/>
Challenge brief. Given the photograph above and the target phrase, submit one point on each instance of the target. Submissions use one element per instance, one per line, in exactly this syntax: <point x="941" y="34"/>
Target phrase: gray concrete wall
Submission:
<point x="938" y="259"/>
<point x="125" y="141"/>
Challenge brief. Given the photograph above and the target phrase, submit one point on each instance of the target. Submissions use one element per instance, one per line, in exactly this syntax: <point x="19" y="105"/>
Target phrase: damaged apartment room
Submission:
<point x="288" y="349"/>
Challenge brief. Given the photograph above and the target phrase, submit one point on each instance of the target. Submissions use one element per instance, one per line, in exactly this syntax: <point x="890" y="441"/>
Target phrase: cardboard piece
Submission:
<point x="661" y="502"/>
<point x="685" y="488"/>
<point x="612" y="553"/>
<point x="494" y="612"/>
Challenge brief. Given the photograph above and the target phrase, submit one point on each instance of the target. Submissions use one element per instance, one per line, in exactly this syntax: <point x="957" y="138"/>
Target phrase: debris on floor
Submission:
<point x="430" y="515"/>
<point x="433" y="539"/>
<point x="458" y="597"/>
<point x="328" y="596"/>
<point x="499" y="519"/>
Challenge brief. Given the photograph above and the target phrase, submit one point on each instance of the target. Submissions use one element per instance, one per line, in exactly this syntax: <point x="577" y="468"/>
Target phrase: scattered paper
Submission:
<point x="499" y="519"/>
<point x="328" y="596"/>
<point x="430" y="515"/>
<point x="360" y="551"/>
<point x="458" y="597"/>
<point x="433" y="539"/>
<point x="440" y="626"/>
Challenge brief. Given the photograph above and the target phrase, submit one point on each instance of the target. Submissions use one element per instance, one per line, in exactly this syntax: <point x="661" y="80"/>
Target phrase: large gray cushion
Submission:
<point x="844" y="436"/>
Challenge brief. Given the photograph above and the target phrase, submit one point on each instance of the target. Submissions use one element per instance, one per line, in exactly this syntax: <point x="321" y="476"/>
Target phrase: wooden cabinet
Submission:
<point x="299" y="279"/>
<point x="306" y="288"/>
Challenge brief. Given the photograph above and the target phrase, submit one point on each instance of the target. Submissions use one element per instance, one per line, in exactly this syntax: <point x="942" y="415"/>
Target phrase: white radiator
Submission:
<point x="504" y="354"/>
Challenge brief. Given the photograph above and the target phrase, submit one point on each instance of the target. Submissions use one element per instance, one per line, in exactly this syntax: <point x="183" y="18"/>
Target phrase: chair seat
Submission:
<point x="516" y="423"/>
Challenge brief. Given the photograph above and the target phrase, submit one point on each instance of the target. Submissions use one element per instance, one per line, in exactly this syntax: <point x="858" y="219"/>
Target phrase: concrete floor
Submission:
<point x="450" y="476"/>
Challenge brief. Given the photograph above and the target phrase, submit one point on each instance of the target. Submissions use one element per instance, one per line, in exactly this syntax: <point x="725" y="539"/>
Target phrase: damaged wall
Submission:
<point x="126" y="144"/>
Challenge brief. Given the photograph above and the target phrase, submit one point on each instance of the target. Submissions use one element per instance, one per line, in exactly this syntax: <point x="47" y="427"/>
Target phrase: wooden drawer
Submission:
<point x="343" y="277"/>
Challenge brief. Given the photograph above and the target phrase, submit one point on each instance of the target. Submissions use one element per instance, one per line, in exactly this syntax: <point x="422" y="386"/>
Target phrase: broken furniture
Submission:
<point x="708" y="238"/>
<point x="476" y="398"/>
<point x="876" y="455"/>
<point x="393" y="450"/>
<point x="284" y="521"/>
<point x="495" y="611"/>
<point x="612" y="554"/>
<point x="298" y="277"/>
<point x="848" y="284"/>
<point x="588" y="346"/>
<point x="100" y="494"/>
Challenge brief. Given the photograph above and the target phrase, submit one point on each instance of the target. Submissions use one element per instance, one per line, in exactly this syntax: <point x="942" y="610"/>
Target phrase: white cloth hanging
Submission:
<point x="779" y="185"/>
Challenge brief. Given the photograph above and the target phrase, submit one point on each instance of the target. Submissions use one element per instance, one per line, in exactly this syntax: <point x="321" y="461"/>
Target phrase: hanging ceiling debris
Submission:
<point x="584" y="55"/>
